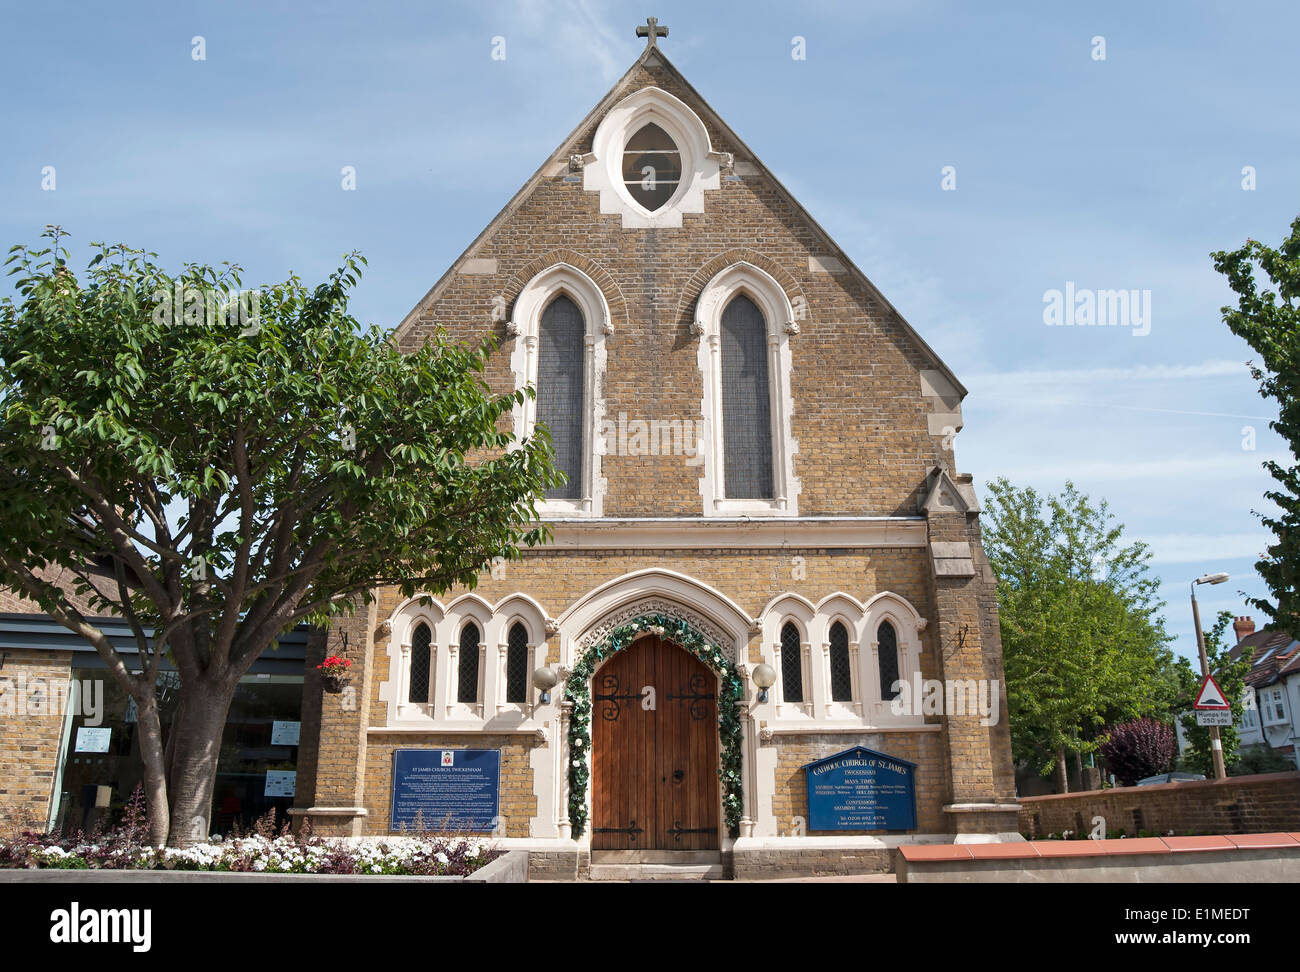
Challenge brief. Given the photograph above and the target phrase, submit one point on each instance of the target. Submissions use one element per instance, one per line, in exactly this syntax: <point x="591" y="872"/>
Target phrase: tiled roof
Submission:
<point x="1273" y="655"/>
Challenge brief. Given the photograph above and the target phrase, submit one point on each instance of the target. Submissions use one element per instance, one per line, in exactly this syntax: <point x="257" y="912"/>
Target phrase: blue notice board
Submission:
<point x="450" y="789"/>
<point x="860" y="789"/>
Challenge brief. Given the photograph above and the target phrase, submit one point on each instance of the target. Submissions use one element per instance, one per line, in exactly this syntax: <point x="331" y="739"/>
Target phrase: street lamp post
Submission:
<point x="1216" y="744"/>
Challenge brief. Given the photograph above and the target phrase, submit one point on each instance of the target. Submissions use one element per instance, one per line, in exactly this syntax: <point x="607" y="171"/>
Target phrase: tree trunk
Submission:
<point x="155" y="767"/>
<point x="1062" y="778"/>
<point x="193" y="750"/>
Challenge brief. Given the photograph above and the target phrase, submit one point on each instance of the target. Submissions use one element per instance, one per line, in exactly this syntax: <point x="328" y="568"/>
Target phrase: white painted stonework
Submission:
<point x="589" y="619"/>
<point x="535" y="297"/>
<point x="603" y="168"/>
<point x="760" y="287"/>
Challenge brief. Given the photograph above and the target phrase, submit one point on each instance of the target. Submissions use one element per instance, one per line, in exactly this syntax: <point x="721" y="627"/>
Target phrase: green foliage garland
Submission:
<point x="578" y="691"/>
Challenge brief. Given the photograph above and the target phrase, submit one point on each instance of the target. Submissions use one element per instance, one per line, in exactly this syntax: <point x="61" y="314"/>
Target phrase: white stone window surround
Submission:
<point x="517" y="609"/>
<point x="862" y="621"/>
<point x="525" y="325"/>
<point x="798" y="612"/>
<point x="444" y="712"/>
<point x="778" y="316"/>
<point x="603" y="166"/>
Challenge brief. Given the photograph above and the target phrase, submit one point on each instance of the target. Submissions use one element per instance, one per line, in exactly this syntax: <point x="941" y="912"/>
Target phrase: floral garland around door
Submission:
<point x="578" y="691"/>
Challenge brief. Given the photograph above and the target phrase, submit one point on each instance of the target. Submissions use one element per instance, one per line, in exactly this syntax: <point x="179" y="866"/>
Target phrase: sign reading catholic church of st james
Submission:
<point x="859" y="789"/>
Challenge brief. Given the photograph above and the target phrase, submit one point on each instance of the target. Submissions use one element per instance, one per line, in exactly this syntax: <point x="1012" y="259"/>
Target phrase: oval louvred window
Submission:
<point x="652" y="167"/>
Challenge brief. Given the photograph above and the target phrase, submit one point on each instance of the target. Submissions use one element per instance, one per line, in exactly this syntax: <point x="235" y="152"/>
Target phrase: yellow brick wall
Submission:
<point x="790" y="798"/>
<point x="31" y="743"/>
<point x="518" y="803"/>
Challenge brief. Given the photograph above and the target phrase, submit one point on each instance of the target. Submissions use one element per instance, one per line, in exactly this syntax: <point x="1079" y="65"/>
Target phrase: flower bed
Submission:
<point x="425" y="855"/>
<point x="264" y="850"/>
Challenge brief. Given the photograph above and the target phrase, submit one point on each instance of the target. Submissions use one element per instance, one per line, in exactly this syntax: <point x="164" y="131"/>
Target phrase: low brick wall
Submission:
<point x="1237" y="859"/>
<point x="1259" y="804"/>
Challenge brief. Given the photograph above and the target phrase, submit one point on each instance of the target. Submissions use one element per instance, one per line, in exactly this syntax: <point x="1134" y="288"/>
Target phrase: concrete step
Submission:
<point x="656" y="857"/>
<point x="656" y="872"/>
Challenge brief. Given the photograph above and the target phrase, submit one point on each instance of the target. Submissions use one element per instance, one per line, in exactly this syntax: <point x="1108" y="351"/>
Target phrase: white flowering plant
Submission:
<point x="263" y="851"/>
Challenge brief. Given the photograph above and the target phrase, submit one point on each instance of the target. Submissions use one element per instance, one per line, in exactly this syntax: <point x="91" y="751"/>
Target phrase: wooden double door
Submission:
<point x="654" y="778"/>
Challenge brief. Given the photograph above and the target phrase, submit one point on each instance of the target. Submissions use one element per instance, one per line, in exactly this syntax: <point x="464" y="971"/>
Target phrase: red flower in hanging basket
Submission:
<point x="334" y="673"/>
<point x="335" y="665"/>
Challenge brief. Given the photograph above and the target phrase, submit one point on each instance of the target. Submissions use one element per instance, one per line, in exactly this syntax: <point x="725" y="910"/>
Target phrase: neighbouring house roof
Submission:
<point x="1274" y="655"/>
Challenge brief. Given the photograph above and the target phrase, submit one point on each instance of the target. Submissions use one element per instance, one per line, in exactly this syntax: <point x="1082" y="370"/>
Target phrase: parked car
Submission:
<point x="1169" y="778"/>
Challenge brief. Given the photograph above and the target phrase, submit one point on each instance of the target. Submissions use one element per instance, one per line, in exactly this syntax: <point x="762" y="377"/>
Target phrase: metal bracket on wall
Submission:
<point x="961" y="641"/>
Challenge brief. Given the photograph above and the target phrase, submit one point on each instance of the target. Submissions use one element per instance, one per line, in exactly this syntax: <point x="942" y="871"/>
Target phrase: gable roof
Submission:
<point x="653" y="56"/>
<point x="1273" y="655"/>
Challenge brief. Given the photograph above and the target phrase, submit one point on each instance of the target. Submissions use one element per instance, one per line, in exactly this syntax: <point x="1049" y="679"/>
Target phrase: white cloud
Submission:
<point x="1189" y="548"/>
<point x="1218" y="466"/>
<point x="1206" y="369"/>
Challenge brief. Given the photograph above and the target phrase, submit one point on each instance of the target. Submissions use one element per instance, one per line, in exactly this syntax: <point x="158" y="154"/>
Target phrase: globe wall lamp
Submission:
<point x="544" y="679"/>
<point x="764" y="677"/>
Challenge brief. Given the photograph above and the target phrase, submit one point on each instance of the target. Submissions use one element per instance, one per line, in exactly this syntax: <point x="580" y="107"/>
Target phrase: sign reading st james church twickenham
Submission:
<point x="859" y="789"/>
<point x="446" y="789"/>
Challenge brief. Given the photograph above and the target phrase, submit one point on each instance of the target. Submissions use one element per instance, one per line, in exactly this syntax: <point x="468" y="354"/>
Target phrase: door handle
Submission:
<point x="678" y="776"/>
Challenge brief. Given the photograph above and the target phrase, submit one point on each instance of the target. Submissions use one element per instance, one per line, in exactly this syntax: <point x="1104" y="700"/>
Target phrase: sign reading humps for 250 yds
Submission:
<point x="1212" y="707"/>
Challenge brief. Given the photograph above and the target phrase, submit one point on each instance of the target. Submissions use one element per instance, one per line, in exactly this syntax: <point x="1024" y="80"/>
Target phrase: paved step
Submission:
<point x="656" y="872"/>
<point x="655" y="857"/>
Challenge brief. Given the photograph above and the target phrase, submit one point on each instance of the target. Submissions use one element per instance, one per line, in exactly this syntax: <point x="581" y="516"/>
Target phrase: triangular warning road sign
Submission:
<point x="1211" y="696"/>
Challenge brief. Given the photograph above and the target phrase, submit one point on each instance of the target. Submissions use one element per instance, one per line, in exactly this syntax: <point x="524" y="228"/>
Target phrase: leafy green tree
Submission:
<point x="218" y="470"/>
<point x="1231" y="676"/>
<point x="1261" y="758"/>
<point x="1083" y="643"/>
<point x="1269" y="321"/>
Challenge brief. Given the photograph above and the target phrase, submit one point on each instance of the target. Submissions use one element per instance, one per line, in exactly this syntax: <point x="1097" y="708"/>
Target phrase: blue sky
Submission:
<point x="1123" y="173"/>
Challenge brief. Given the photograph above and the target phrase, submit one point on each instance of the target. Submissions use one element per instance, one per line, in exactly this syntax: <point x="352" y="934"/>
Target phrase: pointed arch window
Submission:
<point x="467" y="681"/>
<point x="745" y="321"/>
<point x="560" y="392"/>
<point x="887" y="646"/>
<point x="840" y="664"/>
<point x="421" y="639"/>
<point x="517" y="664"/>
<point x="561" y="321"/>
<point x="791" y="664"/>
<point x="746" y="403"/>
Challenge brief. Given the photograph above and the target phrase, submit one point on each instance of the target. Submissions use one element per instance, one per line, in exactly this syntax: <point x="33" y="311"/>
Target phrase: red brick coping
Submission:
<point x="1095" y="848"/>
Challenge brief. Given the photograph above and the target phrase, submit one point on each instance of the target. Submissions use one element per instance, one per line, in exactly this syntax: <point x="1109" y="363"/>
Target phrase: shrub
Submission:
<point x="1138" y="749"/>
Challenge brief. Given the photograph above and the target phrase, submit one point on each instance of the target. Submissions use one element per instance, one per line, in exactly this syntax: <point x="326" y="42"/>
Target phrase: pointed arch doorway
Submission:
<point x="654" y="753"/>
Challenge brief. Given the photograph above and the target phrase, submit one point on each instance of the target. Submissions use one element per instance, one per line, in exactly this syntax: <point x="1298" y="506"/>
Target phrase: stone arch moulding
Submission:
<point x="761" y="287"/>
<point x="654" y="591"/>
<point x="524" y="326"/>
<point x="603" y="167"/>
<point x="690" y="294"/>
<point x="908" y="623"/>
<point x="445" y="624"/>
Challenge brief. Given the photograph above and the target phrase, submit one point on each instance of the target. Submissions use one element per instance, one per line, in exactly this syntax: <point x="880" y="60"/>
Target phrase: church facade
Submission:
<point x="764" y="564"/>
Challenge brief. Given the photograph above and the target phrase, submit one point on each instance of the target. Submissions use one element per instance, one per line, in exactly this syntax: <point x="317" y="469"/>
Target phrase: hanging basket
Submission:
<point x="334" y="673"/>
<point x="333" y="683"/>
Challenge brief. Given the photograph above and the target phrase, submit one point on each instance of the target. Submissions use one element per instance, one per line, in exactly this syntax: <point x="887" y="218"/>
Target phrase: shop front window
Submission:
<point x="256" y="769"/>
